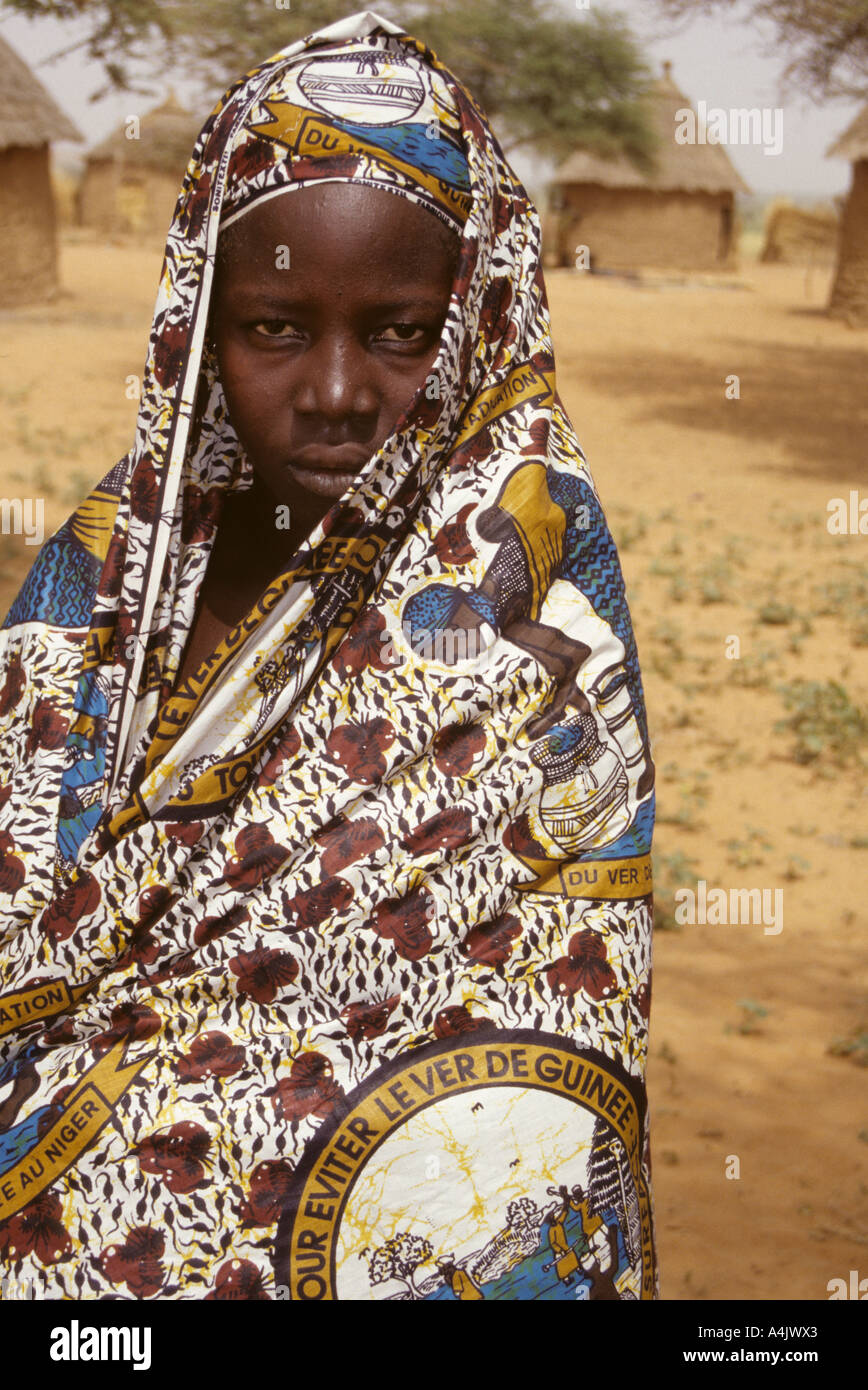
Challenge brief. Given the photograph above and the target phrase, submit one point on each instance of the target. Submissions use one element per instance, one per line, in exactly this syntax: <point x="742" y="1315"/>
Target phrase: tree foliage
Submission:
<point x="549" y="81"/>
<point x="827" y="40"/>
<point x="548" y="78"/>
<point x="399" y="1258"/>
<point x="523" y="1211"/>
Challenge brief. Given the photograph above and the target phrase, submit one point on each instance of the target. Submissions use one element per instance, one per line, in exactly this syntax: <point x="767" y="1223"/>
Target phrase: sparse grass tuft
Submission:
<point x="854" y="1047"/>
<point x="753" y="671"/>
<point x="797" y="867"/>
<point x="777" y="614"/>
<point x="752" y="1015"/>
<point x="750" y="851"/>
<point x="671" y="871"/>
<point x="632" y="531"/>
<point x="826" y="723"/>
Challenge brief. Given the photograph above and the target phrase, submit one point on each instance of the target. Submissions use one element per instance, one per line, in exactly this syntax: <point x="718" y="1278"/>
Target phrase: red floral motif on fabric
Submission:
<point x="359" y="747"/>
<point x="366" y="644"/>
<point x="491" y="943"/>
<point x="308" y="909"/>
<point x="211" y="1054"/>
<point x="456" y="1019"/>
<point x="176" y="1155"/>
<point x="200" y="514"/>
<point x="70" y="906"/>
<point x="187" y="832"/>
<point x="270" y="1184"/>
<point x="237" y="1280"/>
<point x="142" y="950"/>
<point x="130" y="1022"/>
<point x="310" y="1089"/>
<point x="452" y="542"/>
<point x="193" y="212"/>
<point x="144" y="491"/>
<point x="349" y="841"/>
<point x="257" y="856"/>
<point x="13" y="686"/>
<point x="36" y="1230"/>
<point x="153" y="903"/>
<point x="12" y="870"/>
<point x="137" y="1262"/>
<point x="48" y="728"/>
<point x="210" y="928"/>
<point x="287" y="748"/>
<point x="262" y="972"/>
<point x="643" y="999"/>
<point x="447" y="830"/>
<point x="111" y="578"/>
<point x="369" y="1020"/>
<point x="405" y="921"/>
<point x="250" y="159"/>
<point x="586" y="967"/>
<point x="457" y="747"/>
<point x="170" y="351"/>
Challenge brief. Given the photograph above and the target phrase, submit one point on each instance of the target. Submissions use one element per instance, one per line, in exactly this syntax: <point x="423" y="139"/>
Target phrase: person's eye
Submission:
<point x="275" y="328"/>
<point x="402" y="333"/>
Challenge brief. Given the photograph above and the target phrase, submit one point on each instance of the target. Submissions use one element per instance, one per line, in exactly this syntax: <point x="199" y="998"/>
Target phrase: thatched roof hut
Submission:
<point x="799" y="236"/>
<point x="679" y="214"/>
<point x="29" y="121"/>
<point x="849" y="299"/>
<point x="132" y="179"/>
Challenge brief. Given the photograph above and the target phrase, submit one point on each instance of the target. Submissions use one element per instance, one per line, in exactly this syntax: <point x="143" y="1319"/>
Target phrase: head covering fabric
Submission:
<point x="322" y="966"/>
<point x="359" y="112"/>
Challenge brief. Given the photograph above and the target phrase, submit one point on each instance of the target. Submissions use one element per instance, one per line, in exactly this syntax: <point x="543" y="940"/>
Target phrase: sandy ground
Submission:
<point x="719" y="508"/>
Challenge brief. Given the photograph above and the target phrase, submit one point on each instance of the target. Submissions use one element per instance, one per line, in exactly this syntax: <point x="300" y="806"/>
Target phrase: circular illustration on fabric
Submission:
<point x="372" y="88"/>
<point x="504" y="1168"/>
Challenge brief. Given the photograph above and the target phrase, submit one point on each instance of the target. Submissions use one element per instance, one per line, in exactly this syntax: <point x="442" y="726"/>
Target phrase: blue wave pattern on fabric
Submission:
<point x="16" y="1142"/>
<point x="431" y="610"/>
<point x="530" y="1280"/>
<point x="413" y="145"/>
<point x="636" y="839"/>
<point x="60" y="587"/>
<point x="591" y="563"/>
<point x="77" y="820"/>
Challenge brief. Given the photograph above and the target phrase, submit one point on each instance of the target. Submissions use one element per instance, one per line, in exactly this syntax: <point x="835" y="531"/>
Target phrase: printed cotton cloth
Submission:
<point x="326" y="972"/>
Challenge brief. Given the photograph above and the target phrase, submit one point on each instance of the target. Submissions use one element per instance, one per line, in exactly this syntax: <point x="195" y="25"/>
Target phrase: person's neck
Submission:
<point x="249" y="541"/>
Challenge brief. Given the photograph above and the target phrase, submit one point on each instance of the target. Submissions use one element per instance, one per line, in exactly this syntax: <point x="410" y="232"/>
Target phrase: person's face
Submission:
<point x="319" y="360"/>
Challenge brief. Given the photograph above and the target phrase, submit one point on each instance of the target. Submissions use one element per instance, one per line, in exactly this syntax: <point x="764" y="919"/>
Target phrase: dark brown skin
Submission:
<point x="318" y="363"/>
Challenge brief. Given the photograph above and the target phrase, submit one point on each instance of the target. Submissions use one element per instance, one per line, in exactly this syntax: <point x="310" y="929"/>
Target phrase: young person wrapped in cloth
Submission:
<point x="326" y="790"/>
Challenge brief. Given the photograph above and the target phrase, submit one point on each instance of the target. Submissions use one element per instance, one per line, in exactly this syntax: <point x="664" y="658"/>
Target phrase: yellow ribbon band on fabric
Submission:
<point x="524" y="383"/>
<point x="98" y="645"/>
<point x="40" y="1001"/>
<point x="311" y="137"/>
<point x="84" y="1114"/>
<point x="610" y="879"/>
<point x="93" y="521"/>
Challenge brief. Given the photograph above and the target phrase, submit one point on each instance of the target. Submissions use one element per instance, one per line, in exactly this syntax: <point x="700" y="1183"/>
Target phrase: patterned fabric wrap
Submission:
<point x="367" y="115"/>
<point x="326" y="972"/>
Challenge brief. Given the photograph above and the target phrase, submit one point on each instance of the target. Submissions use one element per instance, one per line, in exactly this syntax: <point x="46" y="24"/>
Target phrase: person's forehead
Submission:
<point x="350" y="217"/>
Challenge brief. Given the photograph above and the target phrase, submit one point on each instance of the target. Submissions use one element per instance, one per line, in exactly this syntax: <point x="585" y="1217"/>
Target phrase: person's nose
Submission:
<point x="337" y="380"/>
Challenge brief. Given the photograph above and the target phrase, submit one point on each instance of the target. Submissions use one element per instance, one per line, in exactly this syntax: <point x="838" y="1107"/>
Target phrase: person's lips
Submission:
<point x="335" y="458"/>
<point x="327" y="469"/>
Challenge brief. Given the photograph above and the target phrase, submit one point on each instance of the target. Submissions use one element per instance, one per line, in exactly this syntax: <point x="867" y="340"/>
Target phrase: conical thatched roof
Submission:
<point x="28" y="115"/>
<point x="166" y="138"/>
<point x="853" y="144"/>
<point x="686" y="168"/>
